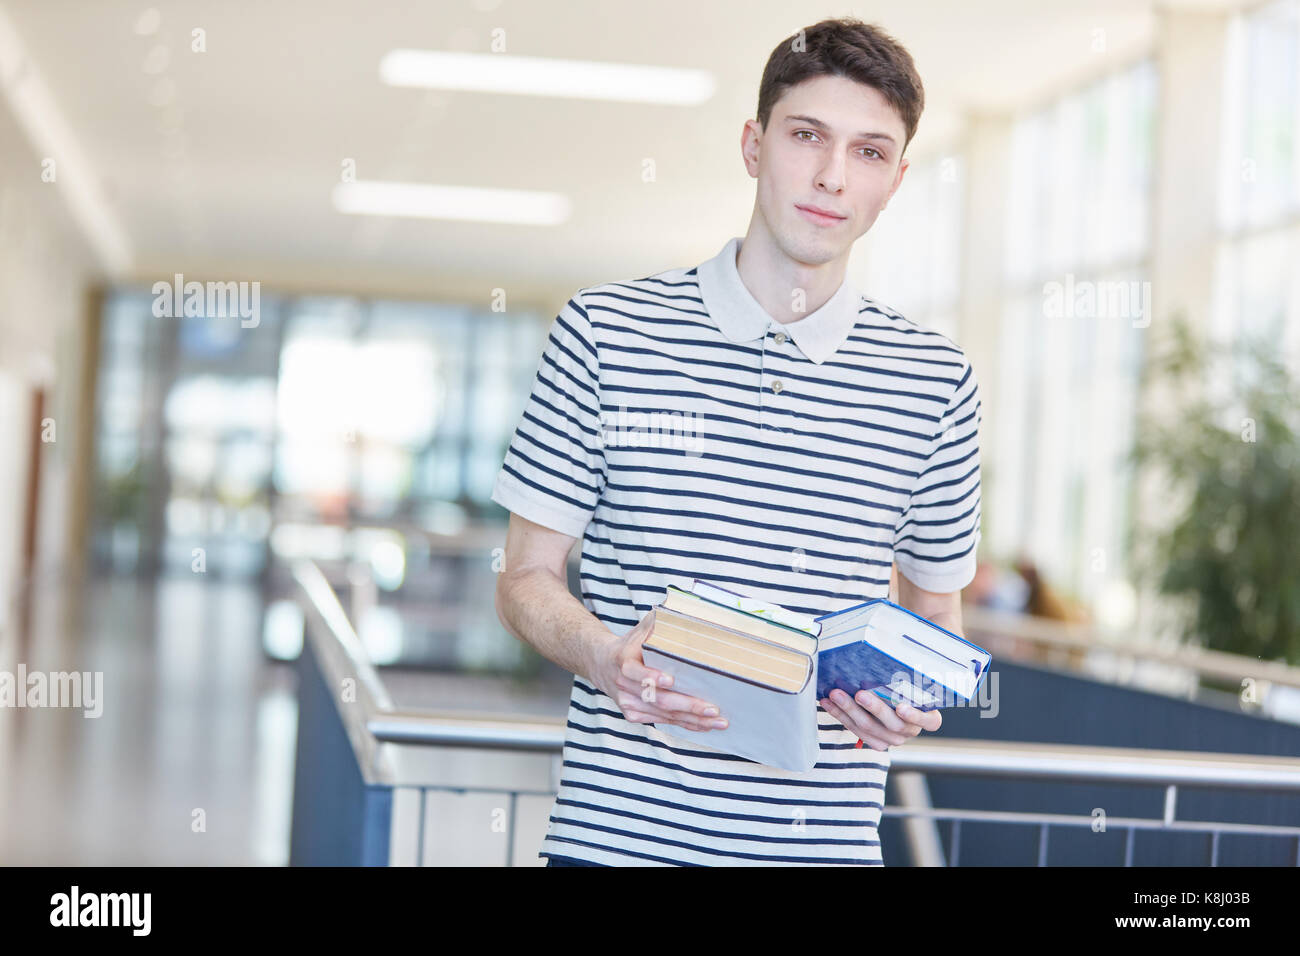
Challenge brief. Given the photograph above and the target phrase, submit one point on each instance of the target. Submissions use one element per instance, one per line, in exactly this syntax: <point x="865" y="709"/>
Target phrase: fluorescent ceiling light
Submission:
<point x="543" y="76"/>
<point x="465" y="203"/>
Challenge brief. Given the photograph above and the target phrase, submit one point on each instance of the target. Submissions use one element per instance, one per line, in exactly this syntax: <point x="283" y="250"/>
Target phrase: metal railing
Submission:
<point x="388" y="743"/>
<point x="1005" y="628"/>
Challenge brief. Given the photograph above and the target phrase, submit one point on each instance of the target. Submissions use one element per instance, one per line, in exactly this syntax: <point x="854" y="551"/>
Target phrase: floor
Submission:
<point x="191" y="759"/>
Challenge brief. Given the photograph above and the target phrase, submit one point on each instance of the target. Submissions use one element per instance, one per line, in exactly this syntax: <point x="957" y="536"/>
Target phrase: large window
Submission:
<point x="1257" y="284"/>
<point x="330" y="410"/>
<point x="1076" y="302"/>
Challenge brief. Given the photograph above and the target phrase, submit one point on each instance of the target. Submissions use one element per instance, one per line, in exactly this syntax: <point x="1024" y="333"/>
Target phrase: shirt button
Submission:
<point x="780" y="338"/>
<point x="777" y="386"/>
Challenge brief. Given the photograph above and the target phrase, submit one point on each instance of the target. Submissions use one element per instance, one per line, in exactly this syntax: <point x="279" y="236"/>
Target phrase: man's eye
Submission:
<point x="870" y="150"/>
<point x="802" y="131"/>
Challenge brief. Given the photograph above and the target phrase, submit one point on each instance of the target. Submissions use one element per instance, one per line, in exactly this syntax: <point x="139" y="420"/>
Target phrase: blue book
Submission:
<point x="898" y="655"/>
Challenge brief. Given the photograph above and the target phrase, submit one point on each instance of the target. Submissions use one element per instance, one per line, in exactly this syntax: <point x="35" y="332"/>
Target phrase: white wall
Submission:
<point x="45" y="271"/>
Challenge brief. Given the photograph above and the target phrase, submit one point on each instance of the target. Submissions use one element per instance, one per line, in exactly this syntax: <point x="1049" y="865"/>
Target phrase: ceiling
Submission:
<point x="224" y="160"/>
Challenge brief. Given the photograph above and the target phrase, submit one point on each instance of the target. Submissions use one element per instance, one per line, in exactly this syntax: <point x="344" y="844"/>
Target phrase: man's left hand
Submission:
<point x="877" y="724"/>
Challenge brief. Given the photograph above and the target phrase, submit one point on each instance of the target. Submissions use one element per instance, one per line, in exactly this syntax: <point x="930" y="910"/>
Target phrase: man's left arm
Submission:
<point x="878" y="725"/>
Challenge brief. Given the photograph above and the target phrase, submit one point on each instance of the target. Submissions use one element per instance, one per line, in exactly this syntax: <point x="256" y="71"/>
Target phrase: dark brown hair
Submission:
<point x="850" y="48"/>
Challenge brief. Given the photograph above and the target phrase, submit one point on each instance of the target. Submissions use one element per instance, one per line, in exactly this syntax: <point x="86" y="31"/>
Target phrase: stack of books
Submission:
<point x="755" y="661"/>
<point x="766" y="667"/>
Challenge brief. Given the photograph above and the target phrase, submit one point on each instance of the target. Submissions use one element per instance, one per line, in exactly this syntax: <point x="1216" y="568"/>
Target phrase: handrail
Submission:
<point x="462" y="729"/>
<point x="1073" y="636"/>
<point x="933" y="754"/>
<point x="342" y="658"/>
<point x="327" y="605"/>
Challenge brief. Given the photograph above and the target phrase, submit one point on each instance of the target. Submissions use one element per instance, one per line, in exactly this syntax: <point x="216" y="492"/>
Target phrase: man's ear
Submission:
<point x="902" y="168"/>
<point x="751" y="137"/>
<point x="898" y="180"/>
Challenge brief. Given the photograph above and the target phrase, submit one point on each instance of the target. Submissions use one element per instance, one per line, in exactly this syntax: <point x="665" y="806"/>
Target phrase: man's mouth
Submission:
<point x="823" y="217"/>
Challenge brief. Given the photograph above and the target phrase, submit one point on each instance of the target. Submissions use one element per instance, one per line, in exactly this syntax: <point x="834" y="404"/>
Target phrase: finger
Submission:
<point x="864" y="721"/>
<point x="866" y="736"/>
<point x="844" y="718"/>
<point x="878" y="730"/>
<point x="686" y="719"/>
<point x="655" y="714"/>
<point x="859" y="717"/>
<point x="694" y="723"/>
<point x="879" y="709"/>
<point x="666" y="700"/>
<point x="635" y="671"/>
<point x="700" y="723"/>
<point x="926" y="719"/>
<point x="689" y="723"/>
<point x="899" y="730"/>
<point x="681" y="720"/>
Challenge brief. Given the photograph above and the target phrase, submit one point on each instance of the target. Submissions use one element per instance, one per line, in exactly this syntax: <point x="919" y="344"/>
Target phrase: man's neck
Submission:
<point x="772" y="278"/>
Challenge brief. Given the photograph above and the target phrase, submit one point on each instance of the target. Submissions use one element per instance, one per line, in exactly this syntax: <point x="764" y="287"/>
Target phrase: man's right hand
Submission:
<point x="640" y="691"/>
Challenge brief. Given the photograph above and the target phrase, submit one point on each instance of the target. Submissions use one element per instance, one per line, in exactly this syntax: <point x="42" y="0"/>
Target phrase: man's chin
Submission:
<point x="814" y="249"/>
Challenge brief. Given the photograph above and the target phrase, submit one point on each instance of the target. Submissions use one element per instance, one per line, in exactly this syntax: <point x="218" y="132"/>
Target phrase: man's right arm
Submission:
<point x="534" y="604"/>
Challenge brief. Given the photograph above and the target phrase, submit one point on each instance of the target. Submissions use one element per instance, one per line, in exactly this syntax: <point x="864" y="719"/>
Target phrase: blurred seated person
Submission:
<point x="1021" y="589"/>
<point x="997" y="588"/>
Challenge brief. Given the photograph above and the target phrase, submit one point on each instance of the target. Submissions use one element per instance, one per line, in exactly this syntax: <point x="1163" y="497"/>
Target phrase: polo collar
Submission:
<point x="819" y="335"/>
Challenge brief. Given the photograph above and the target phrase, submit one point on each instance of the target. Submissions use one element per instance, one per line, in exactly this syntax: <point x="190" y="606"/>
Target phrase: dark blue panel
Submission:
<point x="1043" y="706"/>
<point x="337" y="819"/>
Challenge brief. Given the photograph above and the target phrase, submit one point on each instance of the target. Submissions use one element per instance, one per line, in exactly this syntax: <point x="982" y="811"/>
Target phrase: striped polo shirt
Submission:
<point x="681" y="432"/>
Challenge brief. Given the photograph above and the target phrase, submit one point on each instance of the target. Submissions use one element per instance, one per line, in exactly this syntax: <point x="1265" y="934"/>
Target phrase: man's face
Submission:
<point x="831" y="143"/>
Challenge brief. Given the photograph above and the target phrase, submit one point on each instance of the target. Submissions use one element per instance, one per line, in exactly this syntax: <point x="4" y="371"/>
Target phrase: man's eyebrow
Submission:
<point x="818" y="124"/>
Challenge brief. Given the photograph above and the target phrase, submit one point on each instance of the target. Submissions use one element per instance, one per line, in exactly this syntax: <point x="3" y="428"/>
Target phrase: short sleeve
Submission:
<point x="938" y="534"/>
<point x="554" y="468"/>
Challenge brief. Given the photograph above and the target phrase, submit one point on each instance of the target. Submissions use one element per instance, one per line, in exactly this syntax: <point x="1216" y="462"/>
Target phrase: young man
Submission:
<point x="825" y="440"/>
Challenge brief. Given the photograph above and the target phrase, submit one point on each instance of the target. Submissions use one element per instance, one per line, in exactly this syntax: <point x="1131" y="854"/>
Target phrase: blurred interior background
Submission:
<point x="160" y="474"/>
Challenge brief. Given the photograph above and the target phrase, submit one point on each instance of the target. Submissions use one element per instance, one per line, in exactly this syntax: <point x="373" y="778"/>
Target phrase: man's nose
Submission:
<point x="831" y="176"/>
